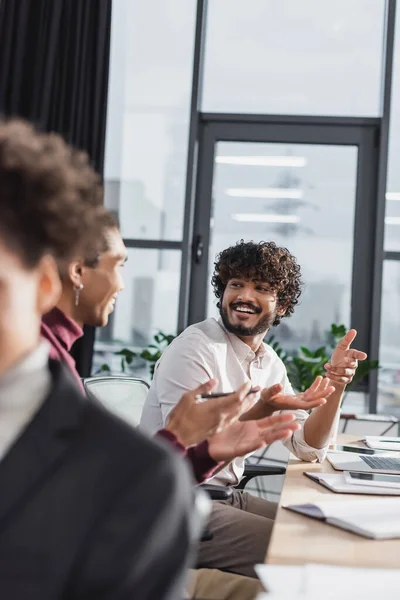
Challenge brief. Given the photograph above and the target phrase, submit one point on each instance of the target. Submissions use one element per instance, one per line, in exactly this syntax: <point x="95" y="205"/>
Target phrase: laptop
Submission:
<point x="344" y="461"/>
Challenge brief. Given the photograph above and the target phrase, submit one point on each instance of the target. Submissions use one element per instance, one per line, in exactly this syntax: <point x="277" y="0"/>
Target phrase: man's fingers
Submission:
<point x="315" y="385"/>
<point x="323" y="391"/>
<point x="205" y="388"/>
<point x="347" y="362"/>
<point x="244" y="390"/>
<point x="357" y="355"/>
<point x="348" y="339"/>
<point x="279" y="433"/>
<point x="268" y="393"/>
<point x="340" y="372"/>
<point x="276" y="420"/>
<point x="307" y="404"/>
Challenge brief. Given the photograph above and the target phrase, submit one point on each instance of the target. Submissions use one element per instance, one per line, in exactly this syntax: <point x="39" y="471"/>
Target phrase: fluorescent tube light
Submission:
<point x="263" y="161"/>
<point x="393" y="196"/>
<point x="289" y="193"/>
<point x="392" y="220"/>
<point x="263" y="218"/>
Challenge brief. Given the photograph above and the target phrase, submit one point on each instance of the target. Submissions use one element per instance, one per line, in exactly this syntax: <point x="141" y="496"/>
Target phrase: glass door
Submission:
<point x="303" y="196"/>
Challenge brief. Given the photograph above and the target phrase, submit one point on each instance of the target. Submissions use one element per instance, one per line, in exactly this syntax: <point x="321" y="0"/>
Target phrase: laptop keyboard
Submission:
<point x="391" y="464"/>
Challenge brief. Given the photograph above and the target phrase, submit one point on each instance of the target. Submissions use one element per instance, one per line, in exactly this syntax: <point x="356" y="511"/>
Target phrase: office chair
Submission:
<point x="123" y="396"/>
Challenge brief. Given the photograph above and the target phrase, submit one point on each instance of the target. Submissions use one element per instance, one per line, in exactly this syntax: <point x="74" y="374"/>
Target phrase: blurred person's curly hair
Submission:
<point x="263" y="261"/>
<point x="50" y="196"/>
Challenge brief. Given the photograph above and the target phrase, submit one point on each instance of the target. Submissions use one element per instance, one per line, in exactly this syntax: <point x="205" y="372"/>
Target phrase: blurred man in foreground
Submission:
<point x="88" y="507"/>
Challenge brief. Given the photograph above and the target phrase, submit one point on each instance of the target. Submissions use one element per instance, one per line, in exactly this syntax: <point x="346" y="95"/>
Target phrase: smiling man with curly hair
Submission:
<point x="256" y="285"/>
<point x="268" y="267"/>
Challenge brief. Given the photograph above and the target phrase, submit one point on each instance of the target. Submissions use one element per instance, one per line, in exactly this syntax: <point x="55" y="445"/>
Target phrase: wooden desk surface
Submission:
<point x="297" y="539"/>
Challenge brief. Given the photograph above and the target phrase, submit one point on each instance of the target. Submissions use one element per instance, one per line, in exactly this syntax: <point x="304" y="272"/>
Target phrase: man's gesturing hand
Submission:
<point x="247" y="436"/>
<point x="316" y="395"/>
<point x="192" y="421"/>
<point x="344" y="360"/>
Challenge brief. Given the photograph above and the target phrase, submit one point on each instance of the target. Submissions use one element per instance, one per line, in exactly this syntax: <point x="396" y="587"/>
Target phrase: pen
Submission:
<point x="221" y="395"/>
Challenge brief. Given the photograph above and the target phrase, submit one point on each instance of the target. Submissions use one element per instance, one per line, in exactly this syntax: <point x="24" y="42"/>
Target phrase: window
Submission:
<point x="148" y="304"/>
<point x="389" y="373"/>
<point x="294" y="57"/>
<point x="148" y="115"/>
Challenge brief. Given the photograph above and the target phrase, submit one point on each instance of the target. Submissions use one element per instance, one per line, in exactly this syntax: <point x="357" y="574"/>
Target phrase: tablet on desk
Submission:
<point x="376" y="479"/>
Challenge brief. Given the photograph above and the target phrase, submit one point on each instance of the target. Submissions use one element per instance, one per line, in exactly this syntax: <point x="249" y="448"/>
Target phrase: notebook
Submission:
<point x="383" y="443"/>
<point x="338" y="484"/>
<point x="327" y="582"/>
<point x="374" y="518"/>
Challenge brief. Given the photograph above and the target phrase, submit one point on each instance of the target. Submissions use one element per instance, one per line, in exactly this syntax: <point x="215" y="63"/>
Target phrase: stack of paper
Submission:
<point x="310" y="581"/>
<point x="383" y="443"/>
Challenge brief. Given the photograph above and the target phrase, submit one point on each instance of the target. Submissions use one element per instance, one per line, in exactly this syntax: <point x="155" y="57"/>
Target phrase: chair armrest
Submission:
<point x="251" y="471"/>
<point x="261" y="470"/>
<point x="217" y="492"/>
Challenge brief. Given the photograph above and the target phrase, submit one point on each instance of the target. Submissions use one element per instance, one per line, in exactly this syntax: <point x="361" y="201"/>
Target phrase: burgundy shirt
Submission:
<point x="62" y="332"/>
<point x="202" y="464"/>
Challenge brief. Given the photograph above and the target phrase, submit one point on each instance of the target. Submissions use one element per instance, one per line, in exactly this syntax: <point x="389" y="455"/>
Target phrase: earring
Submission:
<point x="77" y="290"/>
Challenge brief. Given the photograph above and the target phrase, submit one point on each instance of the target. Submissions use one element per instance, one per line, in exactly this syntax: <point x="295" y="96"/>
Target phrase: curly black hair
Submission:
<point x="50" y="196"/>
<point x="262" y="261"/>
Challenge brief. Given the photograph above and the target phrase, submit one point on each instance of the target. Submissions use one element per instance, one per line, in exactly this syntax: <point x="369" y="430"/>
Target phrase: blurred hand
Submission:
<point x="244" y="437"/>
<point x="192" y="421"/>
<point x="344" y="360"/>
<point x="316" y="395"/>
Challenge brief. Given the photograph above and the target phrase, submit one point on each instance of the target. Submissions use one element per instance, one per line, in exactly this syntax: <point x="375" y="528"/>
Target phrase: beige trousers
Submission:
<point x="241" y="529"/>
<point x="211" y="584"/>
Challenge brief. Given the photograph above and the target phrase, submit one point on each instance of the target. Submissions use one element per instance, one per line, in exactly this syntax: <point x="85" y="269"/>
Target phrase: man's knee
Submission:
<point x="240" y="540"/>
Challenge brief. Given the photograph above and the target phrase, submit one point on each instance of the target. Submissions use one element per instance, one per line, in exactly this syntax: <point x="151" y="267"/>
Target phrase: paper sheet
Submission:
<point x="312" y="582"/>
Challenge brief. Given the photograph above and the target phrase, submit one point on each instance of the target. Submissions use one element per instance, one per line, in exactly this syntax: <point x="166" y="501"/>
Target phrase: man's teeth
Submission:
<point x="245" y="310"/>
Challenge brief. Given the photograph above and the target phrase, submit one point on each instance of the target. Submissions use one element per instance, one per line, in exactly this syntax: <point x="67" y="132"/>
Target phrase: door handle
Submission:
<point x="198" y="249"/>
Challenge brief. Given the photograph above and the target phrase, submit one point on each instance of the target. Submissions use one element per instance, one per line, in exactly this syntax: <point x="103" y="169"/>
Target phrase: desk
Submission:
<point x="297" y="539"/>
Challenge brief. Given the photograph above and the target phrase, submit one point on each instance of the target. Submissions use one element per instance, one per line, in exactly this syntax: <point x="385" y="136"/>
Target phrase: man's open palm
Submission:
<point x="244" y="437"/>
<point x="316" y="395"/>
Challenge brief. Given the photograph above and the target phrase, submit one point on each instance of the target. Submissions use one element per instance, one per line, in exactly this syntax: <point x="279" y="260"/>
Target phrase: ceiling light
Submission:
<point x="392" y="220"/>
<point x="263" y="218"/>
<point x="263" y="161"/>
<point x="392" y="195"/>
<point x="289" y="193"/>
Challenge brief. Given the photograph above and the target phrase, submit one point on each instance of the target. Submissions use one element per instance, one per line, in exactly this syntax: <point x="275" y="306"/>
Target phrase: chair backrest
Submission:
<point x="123" y="396"/>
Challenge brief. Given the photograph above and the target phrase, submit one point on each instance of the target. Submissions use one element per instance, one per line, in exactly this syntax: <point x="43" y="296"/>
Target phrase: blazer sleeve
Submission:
<point x="142" y="547"/>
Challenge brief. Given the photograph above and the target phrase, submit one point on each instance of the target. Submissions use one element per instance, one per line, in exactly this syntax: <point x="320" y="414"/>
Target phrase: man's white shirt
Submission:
<point x="207" y="350"/>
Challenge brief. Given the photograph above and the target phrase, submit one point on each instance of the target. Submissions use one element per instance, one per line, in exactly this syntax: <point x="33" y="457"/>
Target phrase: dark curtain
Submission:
<point x="54" y="59"/>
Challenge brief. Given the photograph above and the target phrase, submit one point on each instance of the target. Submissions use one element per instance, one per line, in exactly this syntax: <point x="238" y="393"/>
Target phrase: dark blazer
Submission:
<point x="89" y="508"/>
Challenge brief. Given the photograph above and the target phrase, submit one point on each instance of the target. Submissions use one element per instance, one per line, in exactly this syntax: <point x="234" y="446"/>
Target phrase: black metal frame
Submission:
<point x="381" y="199"/>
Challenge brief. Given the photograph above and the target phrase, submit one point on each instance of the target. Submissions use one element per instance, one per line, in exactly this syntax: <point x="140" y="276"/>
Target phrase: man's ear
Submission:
<point x="75" y="271"/>
<point x="49" y="288"/>
<point x="281" y="310"/>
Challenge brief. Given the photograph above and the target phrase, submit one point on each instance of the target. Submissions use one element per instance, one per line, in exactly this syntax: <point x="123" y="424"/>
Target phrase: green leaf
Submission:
<point x="306" y="351"/>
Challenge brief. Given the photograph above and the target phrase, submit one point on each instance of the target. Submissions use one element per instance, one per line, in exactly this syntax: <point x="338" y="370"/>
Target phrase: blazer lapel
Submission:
<point x="42" y="445"/>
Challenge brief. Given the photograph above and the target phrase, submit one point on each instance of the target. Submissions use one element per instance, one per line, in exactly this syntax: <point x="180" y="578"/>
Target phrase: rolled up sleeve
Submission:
<point x="298" y="445"/>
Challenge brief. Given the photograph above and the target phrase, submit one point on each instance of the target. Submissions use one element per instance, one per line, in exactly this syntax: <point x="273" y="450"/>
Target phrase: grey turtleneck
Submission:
<point x="23" y="389"/>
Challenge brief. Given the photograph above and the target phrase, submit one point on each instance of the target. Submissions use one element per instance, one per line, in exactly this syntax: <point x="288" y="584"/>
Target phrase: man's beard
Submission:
<point x="241" y="330"/>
